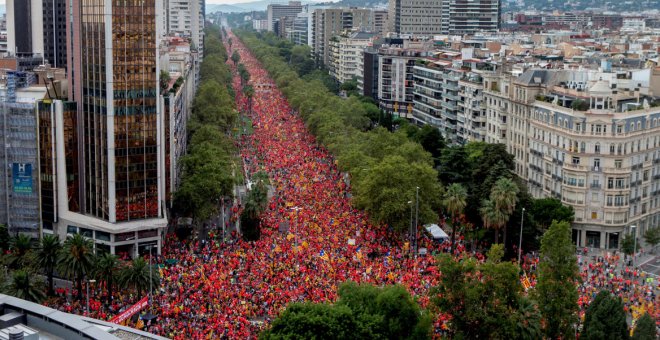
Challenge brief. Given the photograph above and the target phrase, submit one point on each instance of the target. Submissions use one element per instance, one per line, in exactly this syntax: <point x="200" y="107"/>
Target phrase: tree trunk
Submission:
<point x="79" y="287"/>
<point x="504" y="238"/>
<point x="51" y="291"/>
<point x="453" y="235"/>
<point x="497" y="235"/>
<point x="109" y="283"/>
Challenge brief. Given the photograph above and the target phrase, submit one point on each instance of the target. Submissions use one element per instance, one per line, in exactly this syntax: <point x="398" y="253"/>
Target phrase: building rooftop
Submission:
<point x="39" y="322"/>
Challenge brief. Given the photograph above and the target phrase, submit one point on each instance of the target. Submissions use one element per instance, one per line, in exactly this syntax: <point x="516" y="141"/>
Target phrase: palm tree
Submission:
<point x="23" y="288"/>
<point x="136" y="275"/>
<point x="505" y="196"/>
<point x="107" y="267"/>
<point x="493" y="217"/>
<point x="76" y="259"/>
<point x="455" y="201"/>
<point x="48" y="251"/>
<point x="21" y="246"/>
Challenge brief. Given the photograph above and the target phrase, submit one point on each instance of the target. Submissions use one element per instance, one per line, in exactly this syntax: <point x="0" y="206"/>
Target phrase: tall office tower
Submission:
<point x="380" y="22"/>
<point x="37" y="28"/>
<point x="418" y="17"/>
<point x="277" y="11"/>
<point x="114" y="75"/>
<point x="186" y="18"/>
<point x="470" y="16"/>
<point x="327" y="23"/>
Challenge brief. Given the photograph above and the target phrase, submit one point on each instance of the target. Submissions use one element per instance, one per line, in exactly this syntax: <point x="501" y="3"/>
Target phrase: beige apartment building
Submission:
<point x="586" y="137"/>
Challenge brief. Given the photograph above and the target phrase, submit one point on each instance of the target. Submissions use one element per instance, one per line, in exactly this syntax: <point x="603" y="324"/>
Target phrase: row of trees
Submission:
<point x="209" y="168"/>
<point x="387" y="158"/>
<point x="74" y="259"/>
<point x="385" y="167"/>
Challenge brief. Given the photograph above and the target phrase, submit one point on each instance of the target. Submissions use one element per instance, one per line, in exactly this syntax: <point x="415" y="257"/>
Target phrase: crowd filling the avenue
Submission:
<point x="311" y="240"/>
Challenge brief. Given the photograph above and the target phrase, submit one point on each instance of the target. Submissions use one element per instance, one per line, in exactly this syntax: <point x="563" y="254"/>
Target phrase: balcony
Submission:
<point x="595" y="186"/>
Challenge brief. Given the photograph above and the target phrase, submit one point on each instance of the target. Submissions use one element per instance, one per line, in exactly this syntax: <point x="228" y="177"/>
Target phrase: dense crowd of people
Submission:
<point x="312" y="239"/>
<point x="233" y="289"/>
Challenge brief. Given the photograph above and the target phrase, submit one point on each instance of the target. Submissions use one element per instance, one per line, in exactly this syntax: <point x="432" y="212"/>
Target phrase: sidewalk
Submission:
<point x="649" y="263"/>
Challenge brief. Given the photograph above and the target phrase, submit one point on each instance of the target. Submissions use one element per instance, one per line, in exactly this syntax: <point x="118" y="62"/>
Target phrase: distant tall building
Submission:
<point x="327" y="23"/>
<point x="118" y="134"/>
<point x="420" y="17"/>
<point x="186" y="18"/>
<point x="37" y="28"/>
<point x="277" y="11"/>
<point x="470" y="16"/>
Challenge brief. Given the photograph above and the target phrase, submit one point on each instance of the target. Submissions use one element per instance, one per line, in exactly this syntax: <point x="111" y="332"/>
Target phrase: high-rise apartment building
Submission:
<point x="395" y="76"/>
<point x="118" y="127"/>
<point x="327" y="23"/>
<point x="470" y="16"/>
<point x="186" y="18"/>
<point x="347" y="49"/>
<point x="38" y="28"/>
<point x="426" y="18"/>
<point x="418" y="17"/>
<point x="277" y="11"/>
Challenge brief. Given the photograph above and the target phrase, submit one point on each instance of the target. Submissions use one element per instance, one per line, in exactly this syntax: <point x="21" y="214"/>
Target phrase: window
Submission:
<point x="576" y="160"/>
<point x="594" y="215"/>
<point x="102" y="235"/>
<point x="596" y="163"/>
<point x="594" y="197"/>
<point x="619" y="129"/>
<point x="610" y="182"/>
<point x="597" y="148"/>
<point x="618" y="163"/>
<point x="86" y="232"/>
<point x="70" y="229"/>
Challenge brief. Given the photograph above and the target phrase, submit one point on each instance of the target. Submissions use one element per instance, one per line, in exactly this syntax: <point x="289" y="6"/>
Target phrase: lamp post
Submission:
<point x="410" y="230"/>
<point x="634" y="228"/>
<point x="88" y="283"/>
<point x="150" y="274"/>
<point x="522" y="219"/>
<point x="416" y="217"/>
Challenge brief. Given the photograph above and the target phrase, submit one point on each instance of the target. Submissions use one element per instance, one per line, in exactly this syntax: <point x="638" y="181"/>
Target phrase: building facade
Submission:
<point x="417" y="17"/>
<point x="346" y="50"/>
<point x="37" y="28"/>
<point x="119" y="127"/>
<point x="275" y="12"/>
<point x="328" y="23"/>
<point x="395" y="77"/>
<point x="586" y="138"/>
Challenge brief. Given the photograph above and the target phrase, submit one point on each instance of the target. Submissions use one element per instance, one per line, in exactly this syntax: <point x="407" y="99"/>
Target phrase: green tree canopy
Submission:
<point x="546" y="210"/>
<point x="484" y="299"/>
<point x="556" y="290"/>
<point x="362" y="312"/>
<point x="605" y="319"/>
<point x="645" y="328"/>
<point x="652" y="237"/>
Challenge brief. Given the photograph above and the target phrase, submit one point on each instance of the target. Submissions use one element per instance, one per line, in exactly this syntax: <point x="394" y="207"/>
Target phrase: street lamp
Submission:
<point x="410" y="230"/>
<point x="88" y="283"/>
<point x="634" y="228"/>
<point x="150" y="275"/>
<point x="522" y="219"/>
<point x="416" y="217"/>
